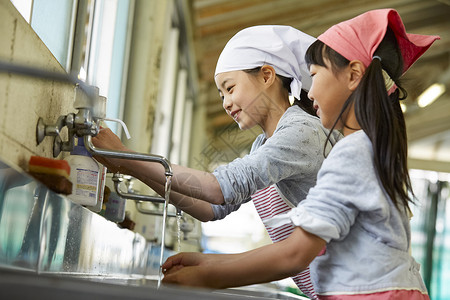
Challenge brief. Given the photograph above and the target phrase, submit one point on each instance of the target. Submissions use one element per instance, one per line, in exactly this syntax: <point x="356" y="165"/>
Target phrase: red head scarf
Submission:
<point x="358" y="38"/>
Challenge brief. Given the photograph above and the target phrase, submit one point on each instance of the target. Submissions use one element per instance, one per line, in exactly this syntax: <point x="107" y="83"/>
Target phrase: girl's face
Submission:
<point x="329" y="91"/>
<point x="241" y="94"/>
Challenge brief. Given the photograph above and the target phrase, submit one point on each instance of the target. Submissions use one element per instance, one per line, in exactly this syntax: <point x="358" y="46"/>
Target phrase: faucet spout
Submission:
<point x="128" y="155"/>
<point x="133" y="196"/>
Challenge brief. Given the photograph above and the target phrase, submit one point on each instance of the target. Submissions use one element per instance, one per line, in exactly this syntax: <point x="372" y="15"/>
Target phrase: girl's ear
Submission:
<point x="357" y="70"/>
<point x="269" y="74"/>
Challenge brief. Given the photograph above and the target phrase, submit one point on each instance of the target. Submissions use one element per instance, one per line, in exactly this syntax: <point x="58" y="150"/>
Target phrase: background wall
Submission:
<point x="22" y="99"/>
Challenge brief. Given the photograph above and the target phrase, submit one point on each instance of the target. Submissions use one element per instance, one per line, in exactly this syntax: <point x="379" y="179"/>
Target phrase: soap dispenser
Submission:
<point x="84" y="174"/>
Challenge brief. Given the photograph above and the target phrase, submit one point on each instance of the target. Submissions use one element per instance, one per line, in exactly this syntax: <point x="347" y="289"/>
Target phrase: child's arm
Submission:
<point x="191" y="183"/>
<point x="271" y="262"/>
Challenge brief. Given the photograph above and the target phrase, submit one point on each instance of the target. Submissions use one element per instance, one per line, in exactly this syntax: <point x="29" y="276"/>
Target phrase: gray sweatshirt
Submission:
<point x="290" y="158"/>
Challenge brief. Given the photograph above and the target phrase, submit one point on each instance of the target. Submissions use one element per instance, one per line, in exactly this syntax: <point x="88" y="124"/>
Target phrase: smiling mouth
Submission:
<point x="315" y="105"/>
<point x="235" y="114"/>
<point x="316" y="108"/>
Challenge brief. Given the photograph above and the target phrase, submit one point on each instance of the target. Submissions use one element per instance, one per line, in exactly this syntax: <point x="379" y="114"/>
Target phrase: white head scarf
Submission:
<point x="282" y="47"/>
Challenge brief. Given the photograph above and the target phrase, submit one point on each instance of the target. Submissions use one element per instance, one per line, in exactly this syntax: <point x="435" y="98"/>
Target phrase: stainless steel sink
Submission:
<point x="24" y="285"/>
<point x="51" y="248"/>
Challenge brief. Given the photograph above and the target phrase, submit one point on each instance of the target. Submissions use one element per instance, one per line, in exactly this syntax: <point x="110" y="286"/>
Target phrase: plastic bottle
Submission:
<point x="115" y="208"/>
<point x="84" y="172"/>
<point x="100" y="189"/>
<point x="101" y="174"/>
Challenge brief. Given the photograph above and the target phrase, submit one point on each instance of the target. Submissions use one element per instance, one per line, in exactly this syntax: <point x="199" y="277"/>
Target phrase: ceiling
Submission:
<point x="216" y="21"/>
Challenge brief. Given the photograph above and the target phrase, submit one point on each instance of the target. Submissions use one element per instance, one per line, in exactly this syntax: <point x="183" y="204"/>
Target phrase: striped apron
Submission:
<point x="268" y="203"/>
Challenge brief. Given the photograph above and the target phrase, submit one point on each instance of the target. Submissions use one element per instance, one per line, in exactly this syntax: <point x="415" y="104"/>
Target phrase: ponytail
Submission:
<point x="381" y="118"/>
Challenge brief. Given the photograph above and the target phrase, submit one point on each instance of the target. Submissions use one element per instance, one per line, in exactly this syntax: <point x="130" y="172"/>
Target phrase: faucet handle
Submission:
<point x="43" y="130"/>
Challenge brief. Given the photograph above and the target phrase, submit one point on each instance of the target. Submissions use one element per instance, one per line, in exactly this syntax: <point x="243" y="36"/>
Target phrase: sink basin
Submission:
<point x="47" y="251"/>
<point x="16" y="284"/>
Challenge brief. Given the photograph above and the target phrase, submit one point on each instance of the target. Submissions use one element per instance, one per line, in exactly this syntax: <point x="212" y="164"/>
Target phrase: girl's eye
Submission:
<point x="230" y="88"/>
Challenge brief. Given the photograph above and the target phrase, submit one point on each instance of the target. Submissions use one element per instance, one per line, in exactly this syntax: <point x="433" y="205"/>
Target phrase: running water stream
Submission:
<point x="179" y="230"/>
<point x="164" y="220"/>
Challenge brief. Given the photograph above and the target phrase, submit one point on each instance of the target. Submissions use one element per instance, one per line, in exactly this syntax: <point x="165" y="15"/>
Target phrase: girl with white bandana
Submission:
<point x="359" y="208"/>
<point x="255" y="73"/>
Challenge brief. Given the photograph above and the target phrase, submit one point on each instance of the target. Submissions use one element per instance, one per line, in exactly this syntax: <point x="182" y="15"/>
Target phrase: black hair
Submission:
<point x="304" y="102"/>
<point x="378" y="114"/>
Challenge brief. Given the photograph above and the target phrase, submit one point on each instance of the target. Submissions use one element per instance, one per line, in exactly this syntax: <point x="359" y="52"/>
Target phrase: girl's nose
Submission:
<point x="310" y="95"/>
<point x="227" y="103"/>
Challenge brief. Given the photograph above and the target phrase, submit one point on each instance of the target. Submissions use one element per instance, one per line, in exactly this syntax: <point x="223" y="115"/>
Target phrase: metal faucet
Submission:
<point x="82" y="123"/>
<point x="139" y="198"/>
<point x="78" y="124"/>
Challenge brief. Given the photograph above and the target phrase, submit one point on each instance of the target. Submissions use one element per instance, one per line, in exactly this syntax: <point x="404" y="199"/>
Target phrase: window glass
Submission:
<point x="53" y="21"/>
<point x="24" y="7"/>
<point x="108" y="54"/>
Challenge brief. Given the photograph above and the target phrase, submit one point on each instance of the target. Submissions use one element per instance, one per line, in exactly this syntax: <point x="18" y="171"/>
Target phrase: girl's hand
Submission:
<point x="187" y="269"/>
<point x="219" y="271"/>
<point x="183" y="259"/>
<point x="106" y="139"/>
<point x="187" y="276"/>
